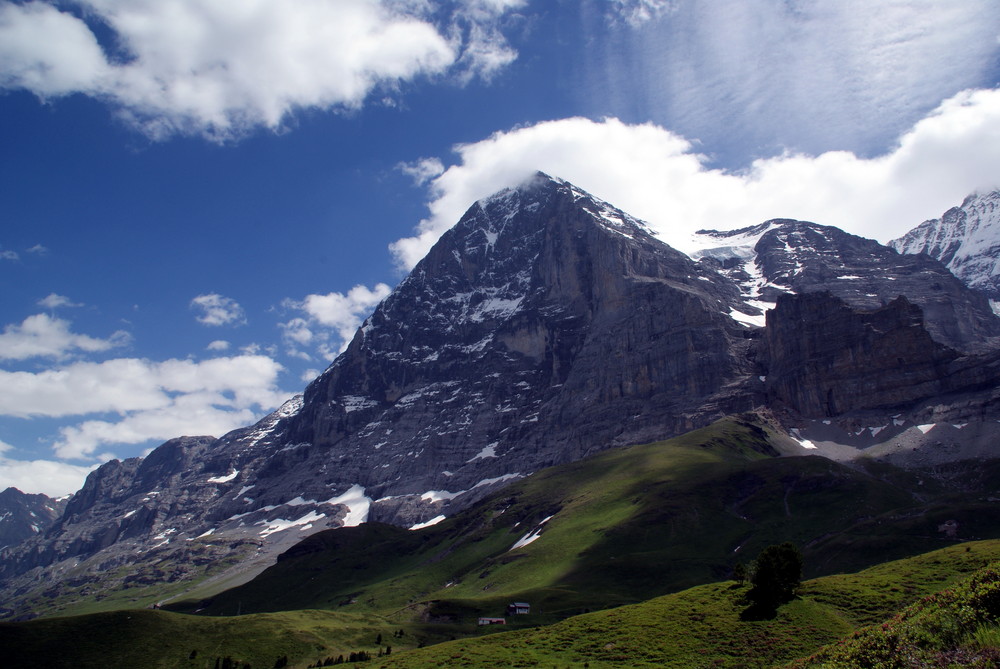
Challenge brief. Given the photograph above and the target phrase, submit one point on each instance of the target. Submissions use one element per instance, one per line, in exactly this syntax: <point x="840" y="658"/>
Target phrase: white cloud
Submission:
<point x="9" y="255"/>
<point x="486" y="50"/>
<point x="55" y="301"/>
<point x="329" y="321"/>
<point x="215" y="309"/>
<point x="218" y="345"/>
<point x="153" y="400"/>
<point x="48" y="477"/>
<point x="49" y="52"/>
<point x="423" y="170"/>
<point x="657" y="176"/>
<point x="42" y="335"/>
<point x="224" y="67"/>
<point x="193" y="414"/>
<point x="125" y="385"/>
<point x="639" y="12"/>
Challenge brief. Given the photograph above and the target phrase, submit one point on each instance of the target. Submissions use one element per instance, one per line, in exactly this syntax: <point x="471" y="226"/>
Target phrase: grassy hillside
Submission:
<point x="619" y="528"/>
<point x="149" y="638"/>
<point x="624" y="527"/>
<point x="702" y="626"/>
<point x="957" y="627"/>
<point x="698" y="627"/>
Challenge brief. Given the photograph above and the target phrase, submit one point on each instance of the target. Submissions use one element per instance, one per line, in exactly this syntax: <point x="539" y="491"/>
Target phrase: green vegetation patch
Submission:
<point x="149" y="638"/>
<point x="705" y="626"/>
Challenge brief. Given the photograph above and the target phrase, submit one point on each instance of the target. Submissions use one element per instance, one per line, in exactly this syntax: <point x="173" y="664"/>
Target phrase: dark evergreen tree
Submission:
<point x="740" y="573"/>
<point x="776" y="574"/>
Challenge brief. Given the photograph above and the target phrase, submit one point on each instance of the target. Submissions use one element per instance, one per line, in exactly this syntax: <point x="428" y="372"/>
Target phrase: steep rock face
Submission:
<point x="825" y="358"/>
<point x="23" y="516"/>
<point x="540" y="325"/>
<point x="119" y="501"/>
<point x="786" y="256"/>
<point x="966" y="239"/>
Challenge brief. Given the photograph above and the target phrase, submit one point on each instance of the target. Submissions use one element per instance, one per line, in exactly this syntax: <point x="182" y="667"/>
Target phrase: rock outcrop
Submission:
<point x="23" y="516"/>
<point x="825" y="358"/>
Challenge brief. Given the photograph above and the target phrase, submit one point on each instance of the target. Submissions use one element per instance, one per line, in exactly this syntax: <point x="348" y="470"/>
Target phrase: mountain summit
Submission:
<point x="547" y="325"/>
<point x="966" y="239"/>
<point x="544" y="326"/>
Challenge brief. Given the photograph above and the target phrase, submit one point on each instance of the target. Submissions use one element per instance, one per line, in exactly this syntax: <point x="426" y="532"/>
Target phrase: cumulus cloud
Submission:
<point x="44" y="336"/>
<point x="152" y="400"/>
<point x="6" y="254"/>
<point x="218" y="345"/>
<point x="224" y="67"/>
<point x="658" y="176"/>
<point x="214" y="309"/>
<point x="329" y="321"/>
<point x="48" y="477"/>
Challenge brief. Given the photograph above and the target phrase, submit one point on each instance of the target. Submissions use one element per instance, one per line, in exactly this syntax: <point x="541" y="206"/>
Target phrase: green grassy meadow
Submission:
<point x="697" y="627"/>
<point x="631" y="567"/>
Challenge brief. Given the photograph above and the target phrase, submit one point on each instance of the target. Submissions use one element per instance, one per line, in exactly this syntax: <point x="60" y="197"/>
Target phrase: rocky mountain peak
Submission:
<point x="787" y="256"/>
<point x="23" y="515"/>
<point x="513" y="312"/>
<point x="966" y="239"/>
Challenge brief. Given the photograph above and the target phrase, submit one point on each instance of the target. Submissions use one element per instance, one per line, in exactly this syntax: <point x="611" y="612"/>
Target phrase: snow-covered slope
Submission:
<point x="966" y="239"/>
<point x="787" y="256"/>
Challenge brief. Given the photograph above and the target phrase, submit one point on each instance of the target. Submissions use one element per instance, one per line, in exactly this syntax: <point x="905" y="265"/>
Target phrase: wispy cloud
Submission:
<point x="423" y="170"/>
<point x="637" y="13"/>
<point x="757" y="78"/>
<point x="56" y="301"/>
<point x="214" y="309"/>
<point x="658" y="176"/>
<point x="225" y="67"/>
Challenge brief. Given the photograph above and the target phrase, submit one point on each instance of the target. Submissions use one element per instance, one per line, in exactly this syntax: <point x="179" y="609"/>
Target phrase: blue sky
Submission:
<point x="201" y="200"/>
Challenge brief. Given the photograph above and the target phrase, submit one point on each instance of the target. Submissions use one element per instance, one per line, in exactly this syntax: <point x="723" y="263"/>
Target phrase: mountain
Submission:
<point x="795" y="257"/>
<point x="546" y="326"/>
<point x="966" y="239"/>
<point x="23" y="516"/>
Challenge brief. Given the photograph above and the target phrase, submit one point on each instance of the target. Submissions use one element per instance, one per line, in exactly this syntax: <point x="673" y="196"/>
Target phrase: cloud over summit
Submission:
<point x="658" y="176"/>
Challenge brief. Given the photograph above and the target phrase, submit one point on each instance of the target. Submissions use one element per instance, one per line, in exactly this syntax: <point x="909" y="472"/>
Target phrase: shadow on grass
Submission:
<point x="759" y="611"/>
